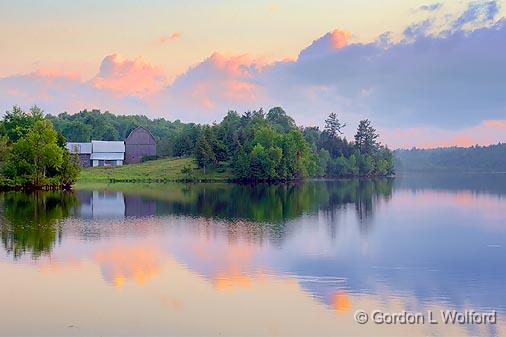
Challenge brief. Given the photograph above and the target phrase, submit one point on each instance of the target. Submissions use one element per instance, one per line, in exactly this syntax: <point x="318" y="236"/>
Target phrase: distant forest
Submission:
<point x="459" y="159"/>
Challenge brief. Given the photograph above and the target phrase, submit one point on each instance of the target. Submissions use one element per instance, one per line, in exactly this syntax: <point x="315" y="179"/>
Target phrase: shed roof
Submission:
<point x="79" y="148"/>
<point x="107" y="156"/>
<point x="108" y="146"/>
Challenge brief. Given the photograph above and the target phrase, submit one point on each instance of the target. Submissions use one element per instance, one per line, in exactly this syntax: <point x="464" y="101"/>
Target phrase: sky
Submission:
<point x="426" y="74"/>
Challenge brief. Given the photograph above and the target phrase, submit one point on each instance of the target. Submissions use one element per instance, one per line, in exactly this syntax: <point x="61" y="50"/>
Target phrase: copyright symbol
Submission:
<point x="361" y="317"/>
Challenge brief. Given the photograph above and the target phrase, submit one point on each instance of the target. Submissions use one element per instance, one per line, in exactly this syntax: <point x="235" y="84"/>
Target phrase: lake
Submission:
<point x="270" y="260"/>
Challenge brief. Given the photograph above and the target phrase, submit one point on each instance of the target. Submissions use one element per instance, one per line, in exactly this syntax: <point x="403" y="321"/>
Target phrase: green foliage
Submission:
<point x="187" y="172"/>
<point x="339" y="158"/>
<point x="366" y="137"/>
<point x="333" y="126"/>
<point x="278" y="118"/>
<point x="173" y="138"/>
<point x="31" y="222"/>
<point x="4" y="147"/>
<point x="17" y="123"/>
<point x="255" y="145"/>
<point x="204" y="153"/>
<point x="34" y="154"/>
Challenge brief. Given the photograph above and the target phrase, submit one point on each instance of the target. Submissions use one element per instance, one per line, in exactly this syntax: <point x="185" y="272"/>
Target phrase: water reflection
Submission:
<point x="32" y="221"/>
<point x="316" y="251"/>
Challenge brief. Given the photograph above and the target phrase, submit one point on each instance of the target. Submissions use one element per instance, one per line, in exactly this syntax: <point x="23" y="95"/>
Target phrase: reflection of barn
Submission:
<point x="101" y="204"/>
<point x="109" y="204"/>
<point x="140" y="143"/>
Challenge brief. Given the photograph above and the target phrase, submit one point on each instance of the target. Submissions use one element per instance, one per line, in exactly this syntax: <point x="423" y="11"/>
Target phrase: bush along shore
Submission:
<point x="252" y="147"/>
<point x="33" y="154"/>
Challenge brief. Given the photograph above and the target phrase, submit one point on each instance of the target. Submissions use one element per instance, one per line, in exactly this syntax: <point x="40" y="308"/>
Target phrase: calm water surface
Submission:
<point x="221" y="259"/>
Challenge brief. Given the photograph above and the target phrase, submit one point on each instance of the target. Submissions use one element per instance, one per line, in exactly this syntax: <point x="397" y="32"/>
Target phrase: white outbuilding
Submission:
<point x="107" y="153"/>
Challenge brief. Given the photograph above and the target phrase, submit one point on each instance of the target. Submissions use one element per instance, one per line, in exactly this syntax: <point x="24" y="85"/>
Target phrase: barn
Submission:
<point x="83" y="150"/>
<point x="140" y="143"/>
<point x="106" y="153"/>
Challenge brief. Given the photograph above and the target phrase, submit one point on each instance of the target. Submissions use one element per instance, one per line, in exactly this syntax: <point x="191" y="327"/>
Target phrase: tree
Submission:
<point x="280" y="120"/>
<point x="18" y="123"/>
<point x="45" y="151"/>
<point x="38" y="159"/>
<point x="187" y="172"/>
<point x="4" y="147"/>
<point x="366" y="138"/>
<point x="204" y="153"/>
<point x="333" y="126"/>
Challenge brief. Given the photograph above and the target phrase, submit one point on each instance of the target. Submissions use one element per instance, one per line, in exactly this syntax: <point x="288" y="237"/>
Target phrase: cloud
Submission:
<point x="418" y="29"/>
<point x="434" y="79"/>
<point x="452" y="79"/>
<point x="129" y="77"/>
<point x="328" y="43"/>
<point x="58" y="92"/>
<point x="219" y="83"/>
<point x="479" y="12"/>
<point x="170" y="37"/>
<point x="431" y="8"/>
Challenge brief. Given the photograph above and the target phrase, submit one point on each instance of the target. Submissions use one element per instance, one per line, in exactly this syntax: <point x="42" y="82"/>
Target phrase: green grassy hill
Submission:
<point x="163" y="170"/>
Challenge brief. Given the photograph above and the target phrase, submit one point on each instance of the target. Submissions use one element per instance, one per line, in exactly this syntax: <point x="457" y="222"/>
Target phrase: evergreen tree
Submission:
<point x="366" y="138"/>
<point x="204" y="153"/>
<point x="333" y="126"/>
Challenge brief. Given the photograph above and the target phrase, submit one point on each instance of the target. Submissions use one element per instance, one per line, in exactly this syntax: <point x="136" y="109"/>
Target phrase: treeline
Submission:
<point x="33" y="154"/>
<point x="270" y="146"/>
<point x="173" y="138"/>
<point x="457" y="159"/>
<point x="254" y="145"/>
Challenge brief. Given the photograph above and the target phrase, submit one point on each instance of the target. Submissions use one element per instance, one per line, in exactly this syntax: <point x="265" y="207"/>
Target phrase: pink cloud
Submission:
<point x="339" y="38"/>
<point x="218" y="83"/>
<point x="170" y="37"/>
<point x="57" y="73"/>
<point x="129" y="77"/>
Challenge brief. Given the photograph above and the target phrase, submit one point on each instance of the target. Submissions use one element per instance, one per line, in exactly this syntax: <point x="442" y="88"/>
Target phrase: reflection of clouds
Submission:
<point x="233" y="259"/>
<point x="341" y="301"/>
<point x="48" y="266"/>
<point x="232" y="279"/>
<point x="485" y="205"/>
<point x="122" y="263"/>
<point x="232" y="265"/>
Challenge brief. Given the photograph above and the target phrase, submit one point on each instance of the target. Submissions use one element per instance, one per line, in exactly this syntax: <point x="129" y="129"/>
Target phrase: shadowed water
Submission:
<point x="224" y="259"/>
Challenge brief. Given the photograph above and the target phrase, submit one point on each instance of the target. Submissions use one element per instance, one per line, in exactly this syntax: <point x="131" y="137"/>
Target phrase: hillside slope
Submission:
<point x="162" y="169"/>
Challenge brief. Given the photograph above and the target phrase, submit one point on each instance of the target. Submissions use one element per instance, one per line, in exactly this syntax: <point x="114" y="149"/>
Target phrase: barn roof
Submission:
<point x="140" y="128"/>
<point x="108" y="146"/>
<point x="79" y="148"/>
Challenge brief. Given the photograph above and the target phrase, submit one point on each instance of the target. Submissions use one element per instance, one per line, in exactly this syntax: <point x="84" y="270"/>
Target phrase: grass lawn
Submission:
<point x="162" y="169"/>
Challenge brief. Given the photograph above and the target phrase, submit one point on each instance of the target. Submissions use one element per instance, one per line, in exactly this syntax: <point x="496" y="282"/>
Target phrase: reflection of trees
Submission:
<point x="369" y="191"/>
<point x="275" y="204"/>
<point x="30" y="221"/>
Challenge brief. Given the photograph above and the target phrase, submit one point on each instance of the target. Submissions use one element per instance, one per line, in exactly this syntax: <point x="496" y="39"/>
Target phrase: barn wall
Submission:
<point x="140" y="143"/>
<point x="84" y="160"/>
